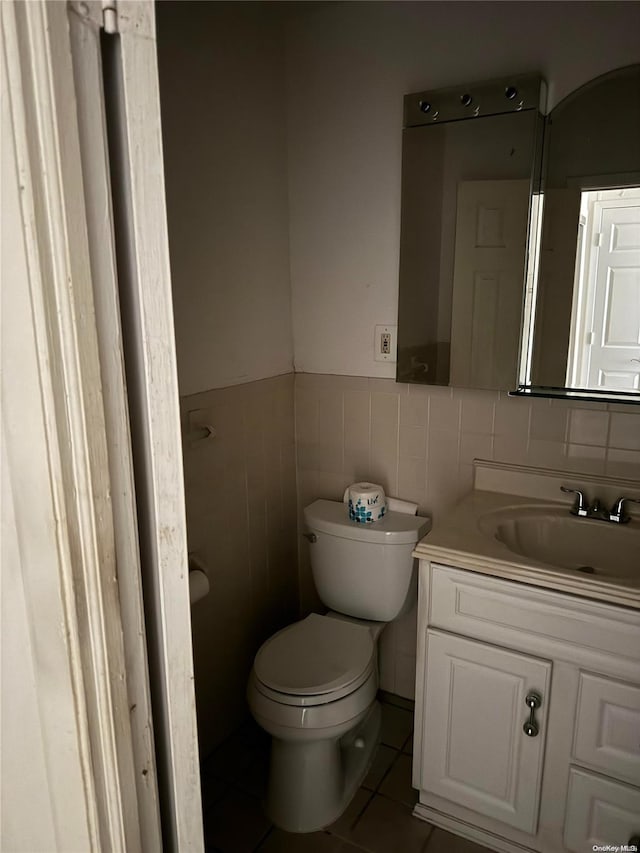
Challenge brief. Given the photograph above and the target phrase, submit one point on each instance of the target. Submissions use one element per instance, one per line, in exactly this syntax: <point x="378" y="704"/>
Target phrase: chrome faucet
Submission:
<point x="580" y="506"/>
<point x="617" y="513"/>
<point x="582" y="509"/>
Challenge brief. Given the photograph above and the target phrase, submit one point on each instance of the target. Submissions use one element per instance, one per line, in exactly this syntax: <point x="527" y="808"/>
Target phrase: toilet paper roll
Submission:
<point x="397" y="505"/>
<point x="198" y="585"/>
<point x="367" y="502"/>
<point x="393" y="504"/>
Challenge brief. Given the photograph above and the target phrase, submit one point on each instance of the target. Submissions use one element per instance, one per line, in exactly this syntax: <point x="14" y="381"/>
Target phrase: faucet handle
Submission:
<point x="617" y="513"/>
<point x="580" y="506"/>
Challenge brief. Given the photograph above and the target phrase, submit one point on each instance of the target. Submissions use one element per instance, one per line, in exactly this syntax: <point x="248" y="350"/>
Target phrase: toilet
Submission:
<point x="313" y="684"/>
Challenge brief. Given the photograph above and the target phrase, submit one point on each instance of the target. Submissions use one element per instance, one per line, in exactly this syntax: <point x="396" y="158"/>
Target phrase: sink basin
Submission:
<point x="553" y="536"/>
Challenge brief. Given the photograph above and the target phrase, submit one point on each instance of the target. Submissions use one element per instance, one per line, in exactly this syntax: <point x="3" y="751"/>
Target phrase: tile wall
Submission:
<point x="241" y="520"/>
<point x="420" y="442"/>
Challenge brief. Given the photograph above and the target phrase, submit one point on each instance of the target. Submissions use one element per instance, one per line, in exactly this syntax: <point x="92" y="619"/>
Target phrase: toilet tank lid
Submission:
<point x="396" y="528"/>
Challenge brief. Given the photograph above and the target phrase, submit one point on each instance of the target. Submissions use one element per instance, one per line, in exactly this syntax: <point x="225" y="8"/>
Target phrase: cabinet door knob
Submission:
<point x="532" y="701"/>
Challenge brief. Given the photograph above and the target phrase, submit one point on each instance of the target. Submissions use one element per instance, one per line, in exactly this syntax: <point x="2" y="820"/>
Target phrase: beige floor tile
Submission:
<point x="212" y="789"/>
<point x="382" y="761"/>
<point x="343" y="827"/>
<point x="397" y="724"/>
<point x="393" y="699"/>
<point x="254" y="779"/>
<point x="235" y="824"/>
<point x="445" y="842"/>
<point x="408" y="745"/>
<point x="230" y="760"/>
<point x="279" y="841"/>
<point x="397" y="783"/>
<point x="255" y="736"/>
<point x="386" y="827"/>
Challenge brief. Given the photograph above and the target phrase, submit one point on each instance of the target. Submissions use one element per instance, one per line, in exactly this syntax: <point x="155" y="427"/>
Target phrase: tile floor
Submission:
<point x="378" y="820"/>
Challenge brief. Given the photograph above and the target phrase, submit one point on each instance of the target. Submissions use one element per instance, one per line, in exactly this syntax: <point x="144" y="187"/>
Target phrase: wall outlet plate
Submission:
<point x="385" y="343"/>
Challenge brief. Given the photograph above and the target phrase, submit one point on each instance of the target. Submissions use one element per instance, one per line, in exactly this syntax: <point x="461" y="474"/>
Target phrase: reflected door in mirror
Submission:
<point x="607" y="355"/>
<point x="489" y="264"/>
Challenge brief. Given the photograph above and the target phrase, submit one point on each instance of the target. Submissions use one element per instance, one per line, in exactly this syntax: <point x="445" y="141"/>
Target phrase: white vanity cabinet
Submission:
<point x="474" y="748"/>
<point x="527" y="714"/>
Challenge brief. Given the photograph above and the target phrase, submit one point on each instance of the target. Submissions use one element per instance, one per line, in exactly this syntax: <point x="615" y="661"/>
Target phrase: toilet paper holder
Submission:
<point x="198" y="429"/>
<point x="201" y="433"/>
<point x="198" y="578"/>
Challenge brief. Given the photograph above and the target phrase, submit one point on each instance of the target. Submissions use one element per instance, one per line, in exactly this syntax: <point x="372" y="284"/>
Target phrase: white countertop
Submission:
<point x="459" y="541"/>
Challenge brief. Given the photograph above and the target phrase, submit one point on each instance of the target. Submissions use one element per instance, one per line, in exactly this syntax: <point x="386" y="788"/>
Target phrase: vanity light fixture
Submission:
<point x="511" y="94"/>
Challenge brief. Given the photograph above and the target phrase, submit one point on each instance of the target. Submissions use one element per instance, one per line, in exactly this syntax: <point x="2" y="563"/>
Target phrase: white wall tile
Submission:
<point x="240" y="492"/>
<point x="478" y="410"/>
<point x="587" y="458"/>
<point x="475" y="446"/>
<point x="412" y="482"/>
<point x="588" y="427"/>
<point x="330" y="417"/>
<point x="623" y="463"/>
<point x="357" y="420"/>
<point x="510" y="447"/>
<point x="546" y="454"/>
<point x="625" y="430"/>
<point x="419" y="443"/>
<point x="413" y="442"/>
<point x="548" y="423"/>
<point x="356" y="464"/>
<point x="512" y="416"/>
<point x="414" y="407"/>
<point x="444" y="413"/>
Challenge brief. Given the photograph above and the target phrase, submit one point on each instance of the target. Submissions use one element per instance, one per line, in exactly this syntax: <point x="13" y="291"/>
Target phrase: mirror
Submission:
<point x="582" y="313"/>
<point x="469" y="166"/>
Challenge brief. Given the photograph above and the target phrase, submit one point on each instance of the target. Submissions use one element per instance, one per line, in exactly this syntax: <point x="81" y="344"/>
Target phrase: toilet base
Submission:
<point x="311" y="783"/>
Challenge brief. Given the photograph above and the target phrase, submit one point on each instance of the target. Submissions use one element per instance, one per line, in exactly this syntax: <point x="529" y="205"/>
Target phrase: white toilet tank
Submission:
<point x="363" y="570"/>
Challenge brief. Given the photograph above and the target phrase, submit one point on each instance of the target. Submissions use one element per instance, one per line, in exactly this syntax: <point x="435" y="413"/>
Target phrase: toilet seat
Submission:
<point x="314" y="661"/>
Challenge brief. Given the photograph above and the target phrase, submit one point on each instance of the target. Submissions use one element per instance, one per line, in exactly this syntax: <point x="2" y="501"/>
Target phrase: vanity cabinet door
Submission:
<point x="600" y="812"/>
<point x="476" y="752"/>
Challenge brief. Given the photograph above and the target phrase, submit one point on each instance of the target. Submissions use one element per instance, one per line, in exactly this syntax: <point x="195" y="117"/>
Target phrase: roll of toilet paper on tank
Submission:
<point x="393" y="504"/>
<point x="397" y="505"/>
<point x="198" y="585"/>
<point x="367" y="502"/>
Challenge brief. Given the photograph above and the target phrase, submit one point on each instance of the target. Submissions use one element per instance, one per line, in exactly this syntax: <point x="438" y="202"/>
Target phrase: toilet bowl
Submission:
<point x="322" y="716"/>
<point x="313" y="685"/>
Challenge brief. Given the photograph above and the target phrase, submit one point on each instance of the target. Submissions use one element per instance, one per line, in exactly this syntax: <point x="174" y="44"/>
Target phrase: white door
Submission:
<point x="476" y="752"/>
<point x="614" y="354"/>
<point x="488" y="282"/>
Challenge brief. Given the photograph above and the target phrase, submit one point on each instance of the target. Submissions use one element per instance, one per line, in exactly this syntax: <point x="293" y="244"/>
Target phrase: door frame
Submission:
<point x="153" y="399"/>
<point x="69" y="328"/>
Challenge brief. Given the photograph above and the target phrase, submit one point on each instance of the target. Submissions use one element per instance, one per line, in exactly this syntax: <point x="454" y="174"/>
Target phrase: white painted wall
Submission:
<point x="223" y="113"/>
<point x="348" y="67"/>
